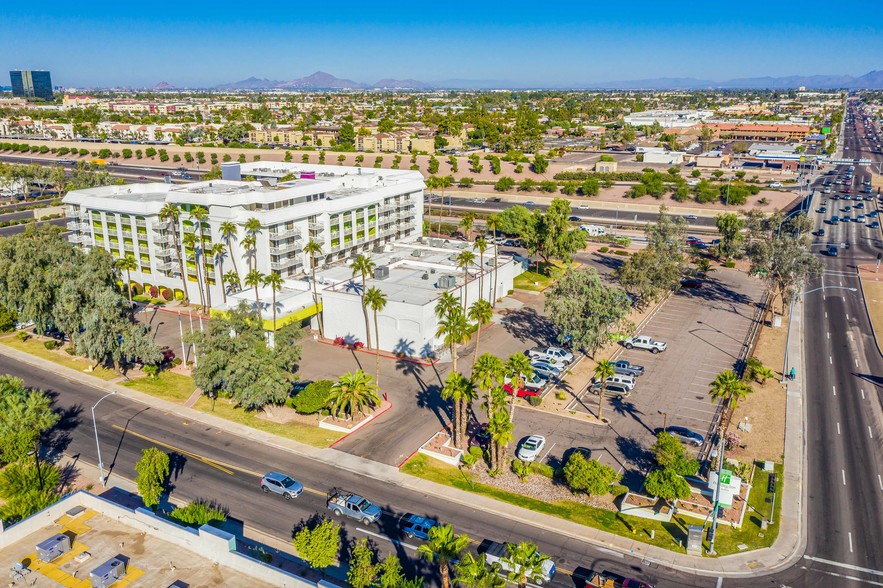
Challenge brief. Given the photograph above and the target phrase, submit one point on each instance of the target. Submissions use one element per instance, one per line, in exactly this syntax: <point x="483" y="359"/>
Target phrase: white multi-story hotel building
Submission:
<point x="347" y="210"/>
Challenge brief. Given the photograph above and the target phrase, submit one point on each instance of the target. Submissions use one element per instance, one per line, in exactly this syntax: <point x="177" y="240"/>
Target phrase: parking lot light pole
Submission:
<point x="664" y="413"/>
<point x="101" y="477"/>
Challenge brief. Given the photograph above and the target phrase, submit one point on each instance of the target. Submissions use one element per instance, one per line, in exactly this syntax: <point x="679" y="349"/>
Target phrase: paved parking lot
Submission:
<point x="704" y="330"/>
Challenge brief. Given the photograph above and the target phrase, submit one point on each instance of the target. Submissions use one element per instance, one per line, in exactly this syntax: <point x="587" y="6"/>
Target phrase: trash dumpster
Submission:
<point x="107" y="573"/>
<point x="53" y="547"/>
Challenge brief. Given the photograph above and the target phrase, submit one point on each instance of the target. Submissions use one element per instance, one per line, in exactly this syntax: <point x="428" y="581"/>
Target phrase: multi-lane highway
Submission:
<point x="843" y="377"/>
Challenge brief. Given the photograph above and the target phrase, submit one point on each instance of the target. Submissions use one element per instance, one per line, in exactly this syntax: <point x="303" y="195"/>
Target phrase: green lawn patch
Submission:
<point x="308" y="434"/>
<point x="532" y="281"/>
<point x="34" y="346"/>
<point x="669" y="536"/>
<point x="166" y="385"/>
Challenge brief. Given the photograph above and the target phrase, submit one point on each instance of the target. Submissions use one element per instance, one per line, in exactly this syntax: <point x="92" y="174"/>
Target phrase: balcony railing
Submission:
<point x="334" y="234"/>
<point x="161" y="239"/>
<point x="140" y="222"/>
<point x="166" y="252"/>
<point x="145" y="250"/>
<point x="73" y="226"/>
<point x="285" y="234"/>
<point x="287" y="248"/>
<point x="127" y="234"/>
<point x="166" y="266"/>
<point x="283" y="263"/>
<point x="318" y="227"/>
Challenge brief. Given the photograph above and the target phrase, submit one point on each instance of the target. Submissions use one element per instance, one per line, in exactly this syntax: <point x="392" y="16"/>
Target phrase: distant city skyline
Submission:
<point x="201" y="44"/>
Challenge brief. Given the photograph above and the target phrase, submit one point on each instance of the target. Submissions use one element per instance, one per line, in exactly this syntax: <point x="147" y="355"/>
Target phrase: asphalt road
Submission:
<point x="844" y="384"/>
<point x="128" y="171"/>
<point x="214" y="464"/>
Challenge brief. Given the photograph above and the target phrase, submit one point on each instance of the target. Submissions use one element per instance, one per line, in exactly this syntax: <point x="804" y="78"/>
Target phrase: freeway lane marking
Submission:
<point x="838" y="428"/>
<point x="850" y="542"/>
<point x="880" y="481"/>
<point x="863" y="393"/>
<point x="870" y="434"/>
<point x="843" y="473"/>
<point x="844" y="565"/>
<point x="385" y="538"/>
<point x="834" y="388"/>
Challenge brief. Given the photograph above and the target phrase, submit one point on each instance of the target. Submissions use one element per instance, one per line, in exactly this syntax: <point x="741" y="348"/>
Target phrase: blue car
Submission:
<point x="685" y="435"/>
<point x="416" y="526"/>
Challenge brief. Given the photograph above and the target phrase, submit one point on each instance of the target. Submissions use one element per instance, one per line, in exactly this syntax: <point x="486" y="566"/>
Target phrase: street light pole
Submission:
<point x="664" y="413"/>
<point x="101" y="477"/>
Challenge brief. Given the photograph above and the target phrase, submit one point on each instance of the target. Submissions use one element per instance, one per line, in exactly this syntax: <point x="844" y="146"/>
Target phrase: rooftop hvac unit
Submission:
<point x="447" y="282"/>
<point x="108" y="573"/>
<point x="416" y="253"/>
<point x="424" y="277"/>
<point x="432" y="270"/>
<point x="53" y="547"/>
<point x="394" y="259"/>
<point x="381" y="272"/>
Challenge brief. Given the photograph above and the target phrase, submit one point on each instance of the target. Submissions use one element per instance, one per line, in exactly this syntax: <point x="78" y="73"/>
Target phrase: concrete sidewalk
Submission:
<point x="788" y="547"/>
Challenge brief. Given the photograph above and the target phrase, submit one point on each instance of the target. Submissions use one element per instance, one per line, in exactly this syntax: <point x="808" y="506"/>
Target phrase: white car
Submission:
<point x="534" y="383"/>
<point x="644" y="342"/>
<point x="776" y="185"/>
<point x="531" y="447"/>
<point x="553" y="355"/>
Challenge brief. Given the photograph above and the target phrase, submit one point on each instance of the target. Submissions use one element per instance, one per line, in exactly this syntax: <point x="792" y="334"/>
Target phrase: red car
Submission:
<point x="167" y="354"/>
<point x="522" y="393"/>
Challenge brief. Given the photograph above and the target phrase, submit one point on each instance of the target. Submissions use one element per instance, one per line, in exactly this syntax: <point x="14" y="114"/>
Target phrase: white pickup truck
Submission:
<point x="554" y="355"/>
<point x="499" y="552"/>
<point x="644" y="342"/>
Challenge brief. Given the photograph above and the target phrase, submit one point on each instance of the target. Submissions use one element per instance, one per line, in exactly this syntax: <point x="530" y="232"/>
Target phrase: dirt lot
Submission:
<point x="765" y="407"/>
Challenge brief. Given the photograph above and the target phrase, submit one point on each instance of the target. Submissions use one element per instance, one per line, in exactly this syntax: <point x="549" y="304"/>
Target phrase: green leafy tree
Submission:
<point x="313" y="398"/>
<point x="362" y="570"/>
<point x="25" y="415"/>
<point x="442" y="548"/>
<point x="730" y="226"/>
<point x="667" y="484"/>
<point x="591" y="476"/>
<point x="26" y="489"/>
<point x="236" y="361"/>
<point x="153" y="472"/>
<point x="318" y="545"/>
<point x="552" y="235"/>
<point x="525" y="563"/>
<point x="352" y="393"/>
<point x="199" y="513"/>
<point x="389" y="572"/>
<point x="669" y="453"/>
<point x="585" y="311"/>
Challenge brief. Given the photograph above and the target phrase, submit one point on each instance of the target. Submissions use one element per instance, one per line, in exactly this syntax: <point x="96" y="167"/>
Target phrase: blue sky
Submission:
<point x="542" y="43"/>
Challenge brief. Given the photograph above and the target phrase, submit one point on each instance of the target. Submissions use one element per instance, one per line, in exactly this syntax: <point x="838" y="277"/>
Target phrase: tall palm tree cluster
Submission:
<point x="489" y="374"/>
<point x="205" y="252"/>
<point x="446" y="549"/>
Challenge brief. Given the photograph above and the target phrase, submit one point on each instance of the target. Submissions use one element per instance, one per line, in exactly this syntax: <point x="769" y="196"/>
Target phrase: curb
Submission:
<point x="861" y="287"/>
<point x="384" y="355"/>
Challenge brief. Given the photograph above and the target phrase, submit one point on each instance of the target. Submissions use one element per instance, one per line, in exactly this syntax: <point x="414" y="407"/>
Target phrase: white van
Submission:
<point x="593" y="230"/>
<point x="627" y="381"/>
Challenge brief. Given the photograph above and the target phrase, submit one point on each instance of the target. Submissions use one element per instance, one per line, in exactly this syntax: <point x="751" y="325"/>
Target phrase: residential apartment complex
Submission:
<point x="31" y="84"/>
<point x="347" y="210"/>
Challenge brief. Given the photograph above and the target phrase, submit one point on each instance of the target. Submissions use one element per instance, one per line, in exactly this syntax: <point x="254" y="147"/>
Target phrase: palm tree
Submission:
<point x="218" y="251"/>
<point x="274" y="280"/>
<point x="254" y="278"/>
<point x="454" y="328"/>
<point x="526" y="563"/>
<point x="728" y="387"/>
<point x="464" y="260"/>
<point x="493" y="223"/>
<point x="352" y="392"/>
<point x="518" y="369"/>
<point x="199" y="214"/>
<point x="500" y="427"/>
<point x="466" y="223"/>
<point x="480" y="245"/>
<point x="363" y="265"/>
<point x="375" y="299"/>
<point x="443" y="182"/>
<point x="253" y="227"/>
<point x="474" y="572"/>
<point x="229" y="231"/>
<point x="314" y="249"/>
<point x="443" y="547"/>
<point x="232" y="278"/>
<point x="128" y="264"/>
<point x="249" y="242"/>
<point x="480" y="312"/>
<point x="603" y="370"/>
<point x="446" y="303"/>
<point x="171" y="213"/>
<point x="191" y="245"/>
<point x="458" y="390"/>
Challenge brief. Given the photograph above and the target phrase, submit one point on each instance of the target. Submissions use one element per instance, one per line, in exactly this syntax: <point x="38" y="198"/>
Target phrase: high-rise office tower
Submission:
<point x="31" y="84"/>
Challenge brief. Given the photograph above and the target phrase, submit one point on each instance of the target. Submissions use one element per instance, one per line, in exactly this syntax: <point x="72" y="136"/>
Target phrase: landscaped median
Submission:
<point x="671" y="536"/>
<point x="177" y="388"/>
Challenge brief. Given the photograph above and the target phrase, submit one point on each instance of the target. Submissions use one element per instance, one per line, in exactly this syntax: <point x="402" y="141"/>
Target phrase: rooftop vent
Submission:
<point x="424" y="277"/>
<point x="447" y="282"/>
<point x="416" y="253"/>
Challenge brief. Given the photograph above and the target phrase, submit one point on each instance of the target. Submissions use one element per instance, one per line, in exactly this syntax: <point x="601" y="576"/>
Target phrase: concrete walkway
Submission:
<point x="788" y="547"/>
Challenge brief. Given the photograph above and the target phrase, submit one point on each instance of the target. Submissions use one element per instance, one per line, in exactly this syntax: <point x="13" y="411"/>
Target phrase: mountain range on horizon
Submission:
<point x="320" y="80"/>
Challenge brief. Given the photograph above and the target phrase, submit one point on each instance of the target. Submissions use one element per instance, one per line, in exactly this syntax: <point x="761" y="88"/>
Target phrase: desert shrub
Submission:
<point x="313" y="398"/>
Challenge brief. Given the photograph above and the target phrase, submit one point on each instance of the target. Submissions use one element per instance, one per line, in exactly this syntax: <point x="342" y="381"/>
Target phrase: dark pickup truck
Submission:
<point x="625" y="368"/>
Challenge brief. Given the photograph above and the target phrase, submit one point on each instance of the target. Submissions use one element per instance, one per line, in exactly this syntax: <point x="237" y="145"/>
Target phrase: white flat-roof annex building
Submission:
<point x="347" y="210"/>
